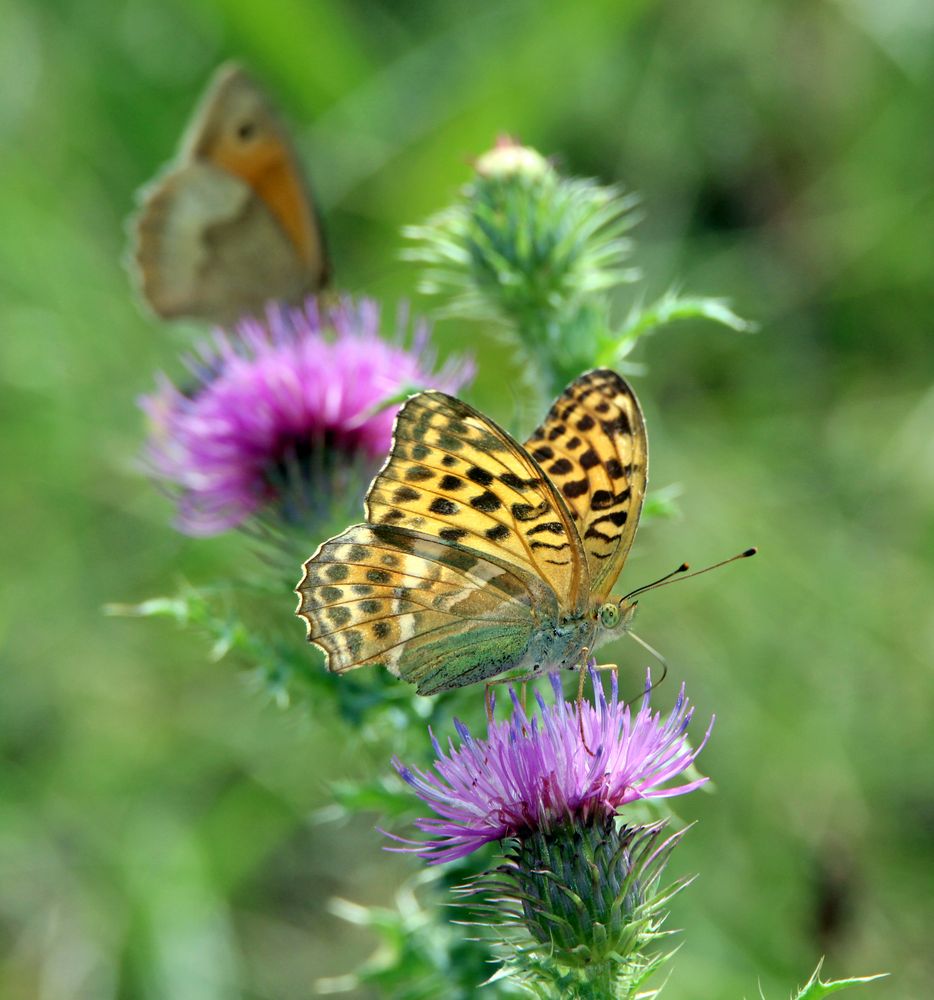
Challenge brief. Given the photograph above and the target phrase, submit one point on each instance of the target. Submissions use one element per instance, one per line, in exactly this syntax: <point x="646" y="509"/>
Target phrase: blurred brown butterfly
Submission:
<point x="230" y="224"/>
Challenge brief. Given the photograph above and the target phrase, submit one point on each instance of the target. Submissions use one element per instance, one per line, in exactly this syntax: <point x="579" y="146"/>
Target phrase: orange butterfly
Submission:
<point x="229" y="225"/>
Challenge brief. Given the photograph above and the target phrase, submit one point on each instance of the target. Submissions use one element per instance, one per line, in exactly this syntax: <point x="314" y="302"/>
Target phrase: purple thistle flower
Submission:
<point x="532" y="775"/>
<point x="283" y="412"/>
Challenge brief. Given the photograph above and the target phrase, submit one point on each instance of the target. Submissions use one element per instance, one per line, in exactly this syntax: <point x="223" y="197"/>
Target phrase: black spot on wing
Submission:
<point x="603" y="499"/>
<point x="405" y="494"/>
<point x="618" y="425"/>
<point x="338" y="614"/>
<point x="517" y="483"/>
<point x="525" y="512"/>
<point x="353" y="640"/>
<point x="560" y="468"/>
<point x="479" y="476"/>
<point x="550" y="545"/>
<point x="418" y="474"/>
<point x="443" y="506"/>
<point x="486" y="502"/>
<point x="617" y="518"/>
<point x="447" y="442"/>
<point x="453" y="534"/>
<point x="552" y="527"/>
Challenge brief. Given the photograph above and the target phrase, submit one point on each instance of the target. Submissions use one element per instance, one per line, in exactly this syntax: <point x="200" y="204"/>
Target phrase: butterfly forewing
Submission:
<point x="456" y="476"/>
<point x="593" y="447"/>
<point x="230" y="225"/>
<point x="207" y="248"/>
<point x="237" y="129"/>
<point x="431" y="612"/>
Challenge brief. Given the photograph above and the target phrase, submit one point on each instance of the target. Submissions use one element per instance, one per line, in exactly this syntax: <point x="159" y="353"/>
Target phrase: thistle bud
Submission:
<point x="509" y="158"/>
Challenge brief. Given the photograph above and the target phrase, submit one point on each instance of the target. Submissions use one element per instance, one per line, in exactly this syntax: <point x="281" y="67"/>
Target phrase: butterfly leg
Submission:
<point x="581" y="679"/>
<point x="521" y="678"/>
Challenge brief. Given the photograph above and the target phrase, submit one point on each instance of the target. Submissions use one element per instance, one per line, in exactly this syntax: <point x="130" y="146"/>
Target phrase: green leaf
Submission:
<point x="662" y="503"/>
<point x="814" y="989"/>
<point x="176" y="608"/>
<point x="671" y="307"/>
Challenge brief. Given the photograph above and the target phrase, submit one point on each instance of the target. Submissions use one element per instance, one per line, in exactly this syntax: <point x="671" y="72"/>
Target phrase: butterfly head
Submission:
<point x="617" y="614"/>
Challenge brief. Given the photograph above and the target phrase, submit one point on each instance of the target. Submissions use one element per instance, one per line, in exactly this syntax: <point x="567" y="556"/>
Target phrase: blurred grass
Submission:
<point x="155" y="834"/>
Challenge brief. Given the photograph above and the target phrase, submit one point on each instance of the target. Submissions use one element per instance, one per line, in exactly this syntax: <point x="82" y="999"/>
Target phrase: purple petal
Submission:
<point x="292" y="385"/>
<point x="532" y="773"/>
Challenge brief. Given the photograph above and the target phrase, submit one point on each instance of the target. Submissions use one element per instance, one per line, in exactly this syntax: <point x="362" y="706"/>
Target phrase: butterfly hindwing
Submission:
<point x="593" y="446"/>
<point x="431" y="612"/>
<point x="456" y="476"/>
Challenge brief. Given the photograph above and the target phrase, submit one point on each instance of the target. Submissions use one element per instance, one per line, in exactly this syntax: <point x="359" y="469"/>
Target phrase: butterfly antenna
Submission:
<point x="683" y="568"/>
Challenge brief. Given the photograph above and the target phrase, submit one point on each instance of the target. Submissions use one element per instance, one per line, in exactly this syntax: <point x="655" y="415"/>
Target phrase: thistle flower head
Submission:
<point x="285" y="414"/>
<point x="536" y="774"/>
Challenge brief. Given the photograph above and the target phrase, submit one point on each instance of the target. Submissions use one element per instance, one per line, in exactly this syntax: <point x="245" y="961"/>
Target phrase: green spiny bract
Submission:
<point x="580" y="905"/>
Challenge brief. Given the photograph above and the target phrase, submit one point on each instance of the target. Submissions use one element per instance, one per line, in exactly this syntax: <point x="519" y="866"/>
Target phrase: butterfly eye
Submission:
<point x="609" y="615"/>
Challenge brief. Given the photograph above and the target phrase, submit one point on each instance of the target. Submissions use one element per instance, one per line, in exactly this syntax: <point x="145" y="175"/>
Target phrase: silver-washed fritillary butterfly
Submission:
<point x="480" y="555"/>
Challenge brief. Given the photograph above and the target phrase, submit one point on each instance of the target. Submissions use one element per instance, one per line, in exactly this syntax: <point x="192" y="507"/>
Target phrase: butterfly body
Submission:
<point x="229" y="225"/>
<point x="480" y="555"/>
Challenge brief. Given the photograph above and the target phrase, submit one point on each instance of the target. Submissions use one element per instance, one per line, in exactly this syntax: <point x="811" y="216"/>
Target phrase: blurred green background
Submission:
<point x="159" y="824"/>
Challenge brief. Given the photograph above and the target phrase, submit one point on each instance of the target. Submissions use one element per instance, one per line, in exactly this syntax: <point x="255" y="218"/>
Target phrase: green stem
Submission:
<point x="603" y="982"/>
